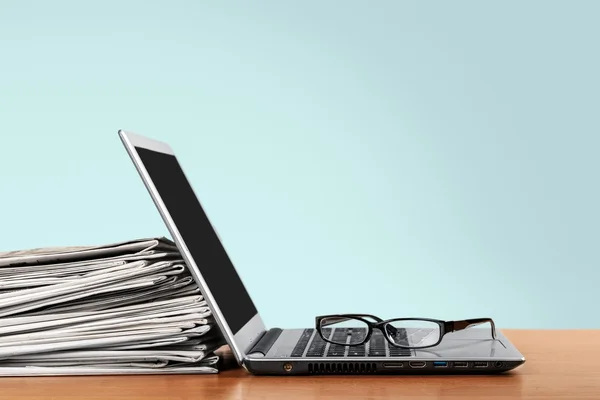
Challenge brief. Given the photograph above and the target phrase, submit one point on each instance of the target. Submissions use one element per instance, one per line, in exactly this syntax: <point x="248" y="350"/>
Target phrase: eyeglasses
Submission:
<point x="408" y="333"/>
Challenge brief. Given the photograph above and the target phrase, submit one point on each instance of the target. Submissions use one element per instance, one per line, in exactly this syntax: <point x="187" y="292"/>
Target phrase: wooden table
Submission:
<point x="560" y="365"/>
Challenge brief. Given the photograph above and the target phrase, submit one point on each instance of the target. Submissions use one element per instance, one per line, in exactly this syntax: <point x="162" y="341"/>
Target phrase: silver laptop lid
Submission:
<point x="197" y="241"/>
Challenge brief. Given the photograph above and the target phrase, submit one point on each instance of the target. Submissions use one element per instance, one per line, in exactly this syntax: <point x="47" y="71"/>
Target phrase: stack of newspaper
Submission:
<point x="124" y="308"/>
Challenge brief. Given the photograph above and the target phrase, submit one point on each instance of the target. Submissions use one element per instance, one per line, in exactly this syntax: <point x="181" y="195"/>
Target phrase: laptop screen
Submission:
<point x="200" y="237"/>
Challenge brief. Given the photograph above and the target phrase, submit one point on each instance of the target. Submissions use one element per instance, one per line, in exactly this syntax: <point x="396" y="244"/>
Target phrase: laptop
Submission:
<point x="276" y="351"/>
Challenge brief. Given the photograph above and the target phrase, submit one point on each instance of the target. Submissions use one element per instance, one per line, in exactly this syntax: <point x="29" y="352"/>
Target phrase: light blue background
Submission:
<point x="403" y="158"/>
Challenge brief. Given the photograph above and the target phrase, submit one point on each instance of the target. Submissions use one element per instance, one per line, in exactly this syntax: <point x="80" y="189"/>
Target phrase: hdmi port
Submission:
<point x="417" y="364"/>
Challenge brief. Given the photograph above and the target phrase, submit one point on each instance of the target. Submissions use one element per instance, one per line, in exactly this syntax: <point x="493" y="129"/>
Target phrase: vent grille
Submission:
<point x="342" y="368"/>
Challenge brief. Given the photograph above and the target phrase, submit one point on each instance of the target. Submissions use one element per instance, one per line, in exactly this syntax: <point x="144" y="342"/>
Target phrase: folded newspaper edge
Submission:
<point x="123" y="308"/>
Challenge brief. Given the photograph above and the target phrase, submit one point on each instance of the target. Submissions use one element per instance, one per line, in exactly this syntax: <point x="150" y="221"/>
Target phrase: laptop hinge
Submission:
<point x="266" y="341"/>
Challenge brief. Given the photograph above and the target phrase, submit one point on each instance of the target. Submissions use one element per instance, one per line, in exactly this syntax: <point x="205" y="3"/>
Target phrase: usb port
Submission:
<point x="440" y="364"/>
<point x="461" y="364"/>
<point x="480" y="364"/>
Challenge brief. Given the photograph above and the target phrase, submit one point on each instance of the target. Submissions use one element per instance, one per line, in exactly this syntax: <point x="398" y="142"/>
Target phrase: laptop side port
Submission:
<point x="480" y="364"/>
<point x="440" y="364"/>
<point x="393" y="364"/>
<point x="417" y="364"/>
<point x="460" y="364"/>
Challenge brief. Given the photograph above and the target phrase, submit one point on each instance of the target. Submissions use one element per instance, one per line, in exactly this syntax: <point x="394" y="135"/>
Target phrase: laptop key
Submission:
<point x="315" y="352"/>
<point x="317" y="347"/>
<point x="336" y="351"/>
<point x="358" y="351"/>
<point x="399" y="352"/>
<point x="298" y="350"/>
<point x="302" y="343"/>
<point x="377" y="345"/>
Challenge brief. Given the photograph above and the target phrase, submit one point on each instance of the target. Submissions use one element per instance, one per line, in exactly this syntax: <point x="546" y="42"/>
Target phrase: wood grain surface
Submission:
<point x="560" y="365"/>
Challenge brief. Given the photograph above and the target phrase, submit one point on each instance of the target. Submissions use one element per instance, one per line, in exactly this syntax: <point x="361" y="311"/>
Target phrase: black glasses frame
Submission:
<point x="387" y="329"/>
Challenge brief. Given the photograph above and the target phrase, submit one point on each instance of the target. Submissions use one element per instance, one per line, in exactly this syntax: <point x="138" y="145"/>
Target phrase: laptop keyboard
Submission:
<point x="311" y="344"/>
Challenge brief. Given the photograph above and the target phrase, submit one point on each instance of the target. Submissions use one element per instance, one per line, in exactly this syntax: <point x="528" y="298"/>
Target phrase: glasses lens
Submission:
<point x="413" y="333"/>
<point x="344" y="330"/>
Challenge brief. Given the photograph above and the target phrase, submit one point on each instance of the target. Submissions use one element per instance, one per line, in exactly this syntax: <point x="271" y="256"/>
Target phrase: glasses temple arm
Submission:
<point x="454" y="326"/>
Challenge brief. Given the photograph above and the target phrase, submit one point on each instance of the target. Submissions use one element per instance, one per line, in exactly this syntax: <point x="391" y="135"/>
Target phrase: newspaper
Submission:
<point x="123" y="308"/>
